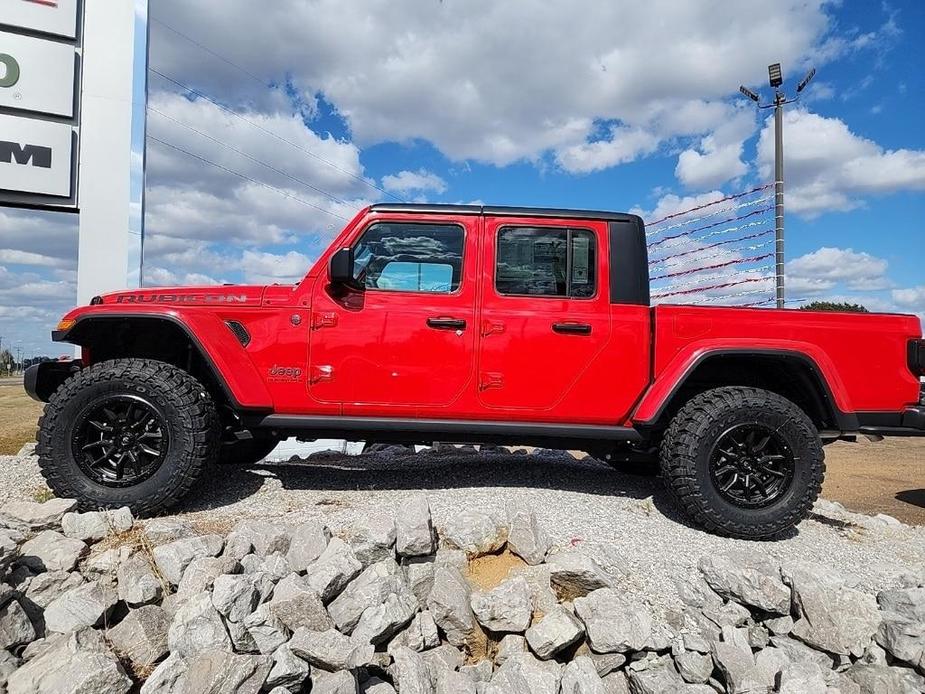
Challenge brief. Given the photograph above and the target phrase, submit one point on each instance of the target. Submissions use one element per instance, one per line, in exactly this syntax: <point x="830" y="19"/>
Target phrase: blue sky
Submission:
<point x="523" y="103"/>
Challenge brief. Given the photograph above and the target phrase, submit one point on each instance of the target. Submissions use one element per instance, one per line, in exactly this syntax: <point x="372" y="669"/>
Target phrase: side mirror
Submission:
<point x="341" y="267"/>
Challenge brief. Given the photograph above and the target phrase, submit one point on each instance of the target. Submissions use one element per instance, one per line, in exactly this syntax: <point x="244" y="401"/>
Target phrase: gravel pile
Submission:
<point x="626" y="520"/>
<point x="483" y="604"/>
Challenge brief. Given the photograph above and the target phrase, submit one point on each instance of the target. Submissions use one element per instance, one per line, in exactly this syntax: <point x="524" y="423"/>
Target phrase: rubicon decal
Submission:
<point x="181" y="299"/>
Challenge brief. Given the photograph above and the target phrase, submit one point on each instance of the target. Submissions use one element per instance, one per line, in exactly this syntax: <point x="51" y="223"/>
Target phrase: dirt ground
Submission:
<point x="883" y="477"/>
<point x="18" y="415"/>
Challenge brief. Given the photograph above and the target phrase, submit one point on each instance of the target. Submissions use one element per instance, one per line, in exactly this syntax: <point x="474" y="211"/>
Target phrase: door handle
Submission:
<point x="571" y="328"/>
<point x="446" y="323"/>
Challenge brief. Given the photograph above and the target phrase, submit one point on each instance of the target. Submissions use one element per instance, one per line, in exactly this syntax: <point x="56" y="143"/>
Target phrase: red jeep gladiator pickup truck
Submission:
<point x="468" y="323"/>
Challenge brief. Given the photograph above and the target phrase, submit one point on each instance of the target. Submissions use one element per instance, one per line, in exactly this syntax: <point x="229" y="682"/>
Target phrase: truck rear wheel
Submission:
<point x="743" y="462"/>
<point x="127" y="432"/>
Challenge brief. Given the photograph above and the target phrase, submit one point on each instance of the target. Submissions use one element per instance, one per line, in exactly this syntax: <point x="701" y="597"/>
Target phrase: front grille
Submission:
<point x="239" y="331"/>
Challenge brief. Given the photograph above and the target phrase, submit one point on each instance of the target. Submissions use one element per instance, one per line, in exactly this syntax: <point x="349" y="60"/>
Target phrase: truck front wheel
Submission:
<point x="127" y="432"/>
<point x="742" y="462"/>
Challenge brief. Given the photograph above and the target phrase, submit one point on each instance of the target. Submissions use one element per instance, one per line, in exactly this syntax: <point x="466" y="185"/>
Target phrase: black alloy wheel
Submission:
<point x="751" y="465"/>
<point x="120" y="440"/>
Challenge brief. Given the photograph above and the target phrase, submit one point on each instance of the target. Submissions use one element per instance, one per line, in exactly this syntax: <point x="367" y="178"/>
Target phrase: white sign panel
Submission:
<point x="36" y="74"/>
<point x="57" y="17"/>
<point x="35" y="156"/>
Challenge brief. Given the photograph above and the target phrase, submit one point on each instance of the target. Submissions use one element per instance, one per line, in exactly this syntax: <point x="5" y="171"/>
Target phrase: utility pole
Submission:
<point x="776" y="79"/>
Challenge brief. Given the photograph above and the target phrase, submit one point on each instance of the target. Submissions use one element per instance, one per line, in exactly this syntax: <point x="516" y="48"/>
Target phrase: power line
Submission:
<point x="323" y="192"/>
<point x="245" y="177"/>
<point x="271" y="133"/>
<point x="211" y="52"/>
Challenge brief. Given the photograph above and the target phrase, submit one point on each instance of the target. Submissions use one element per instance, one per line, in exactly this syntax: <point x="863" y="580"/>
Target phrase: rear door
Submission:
<point x="405" y="343"/>
<point x="545" y="318"/>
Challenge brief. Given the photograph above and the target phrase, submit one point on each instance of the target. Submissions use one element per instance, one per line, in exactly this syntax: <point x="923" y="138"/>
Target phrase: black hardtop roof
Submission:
<point x="502" y="211"/>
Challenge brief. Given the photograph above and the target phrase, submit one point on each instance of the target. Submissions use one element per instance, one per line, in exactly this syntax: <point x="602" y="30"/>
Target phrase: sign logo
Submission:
<point x="285" y="374"/>
<point x="24" y="154"/>
<point x="10" y="70"/>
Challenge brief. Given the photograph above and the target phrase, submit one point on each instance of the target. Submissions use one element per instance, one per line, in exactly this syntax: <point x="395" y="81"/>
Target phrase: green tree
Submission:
<point x="833" y="306"/>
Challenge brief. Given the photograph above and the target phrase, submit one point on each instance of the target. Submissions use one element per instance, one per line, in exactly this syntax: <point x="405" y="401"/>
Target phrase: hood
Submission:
<point x="212" y="295"/>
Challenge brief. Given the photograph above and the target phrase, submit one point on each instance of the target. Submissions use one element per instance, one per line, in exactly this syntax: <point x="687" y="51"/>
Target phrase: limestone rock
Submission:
<point x="329" y="650"/>
<point x="695" y="668"/>
<point x="78" y="663"/>
<point x="306" y="543"/>
<point x="613" y="624"/>
<point x="141" y="635"/>
<point x="475" y="533"/>
<point x="15" y="626"/>
<point x="264" y="536"/>
<point x="749" y="579"/>
<point x="450" y="682"/>
<point x="379" y="622"/>
<point x="173" y="557"/>
<point x="524" y="674"/>
<point x="266" y="630"/>
<point x="410" y="673"/>
<point x="334" y="683"/>
<point x="370" y="588"/>
<point x="221" y="672"/>
<point x="296" y="605"/>
<point x="527" y="538"/>
<point x="85" y="605"/>
<point x="580" y="677"/>
<point x="138" y="584"/>
<point x="288" y="670"/>
<point x="235" y="596"/>
<point x="506" y="608"/>
<point x="201" y="573"/>
<point x="414" y="529"/>
<point x="574" y="574"/>
<point x="449" y="604"/>
<point x="95" y="525"/>
<point x="51" y="551"/>
<point x="197" y="627"/>
<point x="330" y="573"/>
<point x="159" y="531"/>
<point x="832" y="616"/>
<point x="558" y="629"/>
<point x="373" y="538"/>
<point x="30" y="515"/>
<point x="902" y="632"/>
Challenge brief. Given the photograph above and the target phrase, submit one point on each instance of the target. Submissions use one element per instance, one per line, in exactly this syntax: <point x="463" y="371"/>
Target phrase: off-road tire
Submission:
<point x="691" y="435"/>
<point x="185" y="405"/>
<point x="247" y="451"/>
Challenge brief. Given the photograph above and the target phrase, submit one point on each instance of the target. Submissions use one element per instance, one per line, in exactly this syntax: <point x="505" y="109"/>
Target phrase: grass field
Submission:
<point x="18" y="415"/>
<point x="883" y="477"/>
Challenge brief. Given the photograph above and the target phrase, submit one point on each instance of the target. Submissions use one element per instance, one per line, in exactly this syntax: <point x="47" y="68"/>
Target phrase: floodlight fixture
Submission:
<point x="806" y="80"/>
<point x="749" y="93"/>
<point x="775" y="75"/>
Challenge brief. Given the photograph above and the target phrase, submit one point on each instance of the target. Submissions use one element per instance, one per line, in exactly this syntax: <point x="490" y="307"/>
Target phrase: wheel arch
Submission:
<point x="166" y="337"/>
<point x="791" y="374"/>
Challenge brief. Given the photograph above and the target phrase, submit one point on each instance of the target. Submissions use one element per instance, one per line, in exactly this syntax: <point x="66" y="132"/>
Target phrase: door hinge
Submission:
<point x="320" y="373"/>
<point x="327" y="319"/>
<point x="490" y="380"/>
<point x="492" y="327"/>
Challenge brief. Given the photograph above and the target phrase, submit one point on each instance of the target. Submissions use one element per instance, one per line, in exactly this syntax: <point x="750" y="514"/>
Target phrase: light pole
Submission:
<point x="776" y="79"/>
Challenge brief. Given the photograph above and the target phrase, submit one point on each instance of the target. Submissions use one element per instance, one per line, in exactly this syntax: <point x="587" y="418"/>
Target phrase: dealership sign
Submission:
<point x="39" y="102"/>
<point x="53" y="17"/>
<point x="37" y="75"/>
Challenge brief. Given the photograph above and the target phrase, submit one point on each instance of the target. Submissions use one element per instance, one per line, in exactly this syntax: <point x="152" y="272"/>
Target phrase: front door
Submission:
<point x="545" y="318"/>
<point x="405" y="342"/>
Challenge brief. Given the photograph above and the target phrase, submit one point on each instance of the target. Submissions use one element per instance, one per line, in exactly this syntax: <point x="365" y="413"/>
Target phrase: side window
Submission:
<point x="399" y="257"/>
<point x="545" y="261"/>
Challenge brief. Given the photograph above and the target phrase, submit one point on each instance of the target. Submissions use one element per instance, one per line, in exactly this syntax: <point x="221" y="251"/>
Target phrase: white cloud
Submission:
<point x="719" y="156"/>
<point x="408" y="181"/>
<point x="910" y="298"/>
<point x="269" y="268"/>
<point x="492" y="81"/>
<point x="830" y="268"/>
<point x="828" y="167"/>
<point x="670" y="204"/>
<point x="624" y="145"/>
